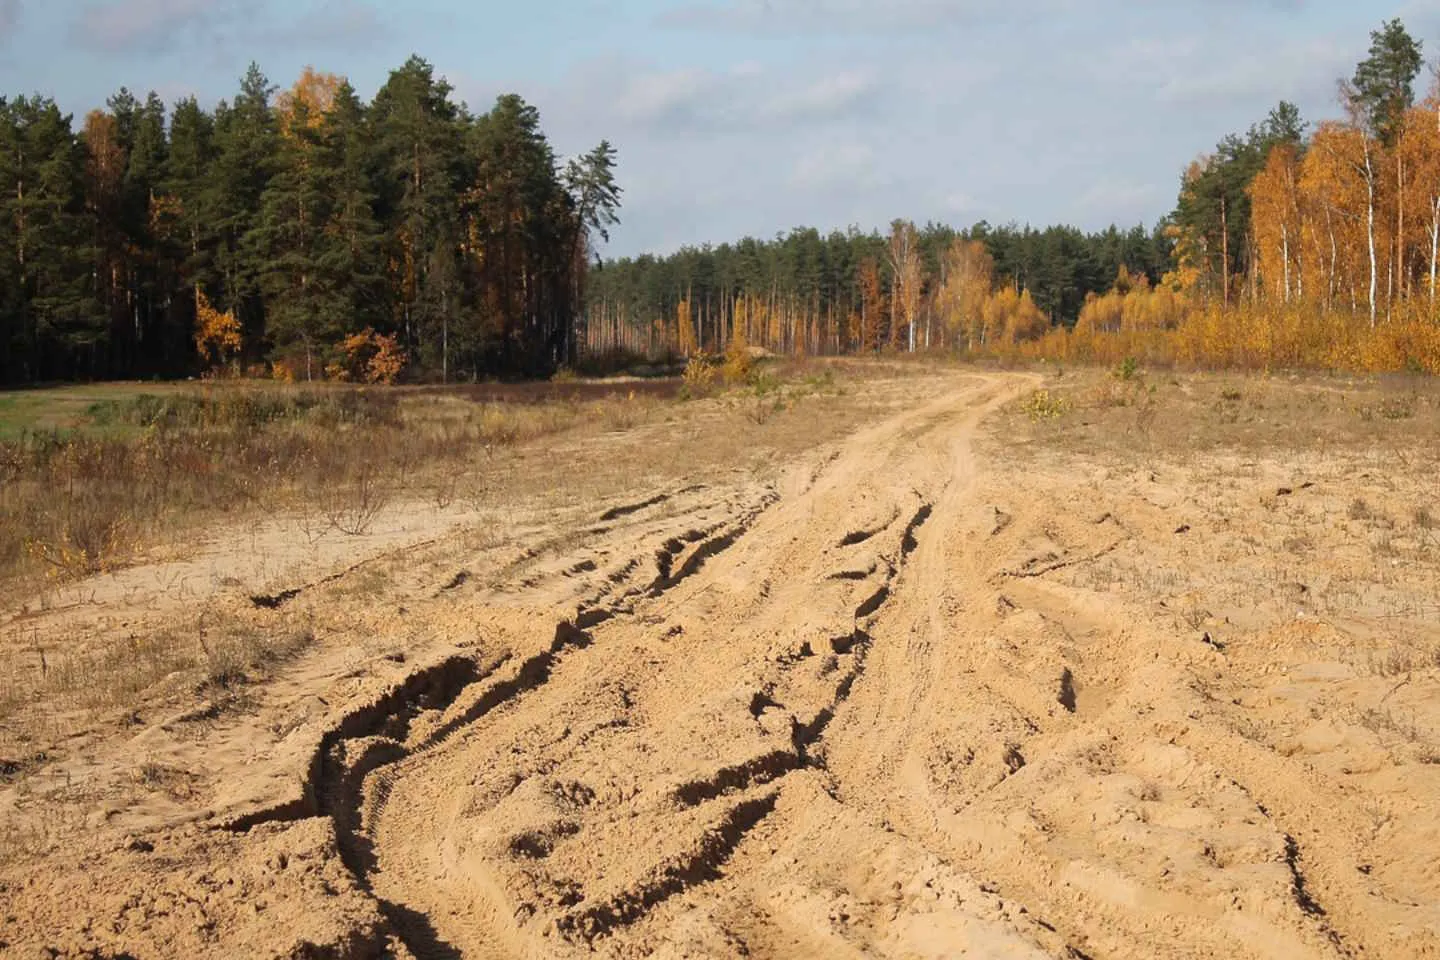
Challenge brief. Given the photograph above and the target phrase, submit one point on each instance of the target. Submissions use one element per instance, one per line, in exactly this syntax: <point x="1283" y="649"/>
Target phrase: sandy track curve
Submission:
<point x="845" y="714"/>
<point x="652" y="773"/>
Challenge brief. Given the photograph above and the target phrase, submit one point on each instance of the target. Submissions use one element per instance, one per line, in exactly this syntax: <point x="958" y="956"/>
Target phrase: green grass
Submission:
<point x="68" y="409"/>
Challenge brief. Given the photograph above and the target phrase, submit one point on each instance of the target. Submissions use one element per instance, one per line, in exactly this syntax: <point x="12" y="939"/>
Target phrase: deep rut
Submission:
<point x="583" y="795"/>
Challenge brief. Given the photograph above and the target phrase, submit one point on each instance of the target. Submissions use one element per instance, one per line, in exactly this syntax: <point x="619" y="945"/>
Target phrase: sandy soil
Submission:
<point x="955" y="684"/>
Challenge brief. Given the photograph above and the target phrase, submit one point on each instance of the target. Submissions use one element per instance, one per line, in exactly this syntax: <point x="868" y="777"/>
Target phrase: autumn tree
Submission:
<point x="217" y="332"/>
<point x="685" y="329"/>
<point x="904" y="257"/>
<point x="1419" y="147"/>
<point x="969" y="279"/>
<point x="1277" y="221"/>
<point x="872" y="305"/>
<point x="308" y="101"/>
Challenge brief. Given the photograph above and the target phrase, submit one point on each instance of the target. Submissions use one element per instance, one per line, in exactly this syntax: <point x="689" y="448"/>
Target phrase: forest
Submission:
<point x="299" y="233"/>
<point x="305" y="234"/>
<point x="1287" y="246"/>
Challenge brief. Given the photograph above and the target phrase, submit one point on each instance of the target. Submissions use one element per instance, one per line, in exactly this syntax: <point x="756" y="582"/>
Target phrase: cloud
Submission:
<point x="830" y="95"/>
<point x="848" y="16"/>
<point x="149" y="25"/>
<point x="9" y="17"/>
<point x="692" y="101"/>
<point x="1118" y="201"/>
<point x="892" y="16"/>
<point x="843" y="165"/>
<point x="154" y="27"/>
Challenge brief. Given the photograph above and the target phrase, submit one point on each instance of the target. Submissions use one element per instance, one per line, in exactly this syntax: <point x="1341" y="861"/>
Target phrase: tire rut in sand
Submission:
<point x="362" y="758"/>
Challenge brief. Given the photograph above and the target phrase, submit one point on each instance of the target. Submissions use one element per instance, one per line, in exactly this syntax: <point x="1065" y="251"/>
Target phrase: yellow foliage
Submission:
<point x="1266" y="336"/>
<point x="699" y="375"/>
<point x="737" y="354"/>
<point x="217" y="335"/>
<point x="685" y="330"/>
<point x="369" y="357"/>
<point x="315" y="91"/>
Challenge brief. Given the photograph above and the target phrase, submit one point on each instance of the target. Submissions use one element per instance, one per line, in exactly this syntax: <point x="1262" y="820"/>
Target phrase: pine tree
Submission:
<point x="417" y="136"/>
<point x="56" y="320"/>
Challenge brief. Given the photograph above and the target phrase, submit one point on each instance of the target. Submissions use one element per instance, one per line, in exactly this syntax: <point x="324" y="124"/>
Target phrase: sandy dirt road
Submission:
<point x="854" y="712"/>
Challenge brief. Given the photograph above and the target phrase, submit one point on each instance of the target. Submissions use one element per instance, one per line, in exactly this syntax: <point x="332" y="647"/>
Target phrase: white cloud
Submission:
<point x="829" y="95"/>
<point x="155" y="27"/>
<point x="9" y="17"/>
<point x="848" y="166"/>
<point x="845" y="16"/>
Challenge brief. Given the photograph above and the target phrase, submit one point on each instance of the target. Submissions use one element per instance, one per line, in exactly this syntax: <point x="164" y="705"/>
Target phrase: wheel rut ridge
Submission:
<point x="615" y="513"/>
<point x="706" y="544"/>
<point x="366" y="742"/>
<point x="350" y="774"/>
<point x="773" y="766"/>
<point x="701" y="864"/>
<point x="1305" y="900"/>
<point x="390" y="713"/>
<point x="855" y="537"/>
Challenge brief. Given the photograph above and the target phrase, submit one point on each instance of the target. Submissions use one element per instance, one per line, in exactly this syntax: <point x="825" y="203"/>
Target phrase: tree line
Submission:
<point x="1297" y="246"/>
<point x="848" y="291"/>
<point x="1287" y="246"/>
<point x="305" y="233"/>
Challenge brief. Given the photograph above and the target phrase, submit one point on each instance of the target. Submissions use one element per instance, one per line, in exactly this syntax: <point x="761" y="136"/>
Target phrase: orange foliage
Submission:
<point x="369" y="357"/>
<point x="217" y="335"/>
<point x="969" y="276"/>
<point x="314" y="91"/>
<point x="685" y="329"/>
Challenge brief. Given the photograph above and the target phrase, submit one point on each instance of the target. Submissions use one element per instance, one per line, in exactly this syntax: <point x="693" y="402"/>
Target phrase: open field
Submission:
<point x="902" y="660"/>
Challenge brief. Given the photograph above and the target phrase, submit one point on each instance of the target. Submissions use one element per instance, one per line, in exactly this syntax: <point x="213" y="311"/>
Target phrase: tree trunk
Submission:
<point x="1224" y="255"/>
<point x="1285" y="255"/>
<point x="1370" y="228"/>
<point x="1434" y="246"/>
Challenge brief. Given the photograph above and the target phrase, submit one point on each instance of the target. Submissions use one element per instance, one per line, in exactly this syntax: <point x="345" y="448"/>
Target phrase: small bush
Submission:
<point x="699" y="376"/>
<point x="1042" y="405"/>
<point x="736" y="368"/>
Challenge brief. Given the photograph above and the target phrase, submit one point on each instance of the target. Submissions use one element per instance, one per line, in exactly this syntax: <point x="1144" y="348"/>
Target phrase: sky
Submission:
<point x="749" y="117"/>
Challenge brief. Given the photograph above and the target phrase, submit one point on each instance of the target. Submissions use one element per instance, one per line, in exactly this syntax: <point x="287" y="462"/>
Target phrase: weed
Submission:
<point x="1396" y="408"/>
<point x="353" y="507"/>
<point x="762" y="397"/>
<point x="698" y="378"/>
<point x="1042" y="405"/>
<point x="1126" y="370"/>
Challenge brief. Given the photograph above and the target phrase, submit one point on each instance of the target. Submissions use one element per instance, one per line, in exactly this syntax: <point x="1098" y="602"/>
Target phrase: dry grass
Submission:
<point x="201" y="655"/>
<point x="141" y="471"/>
<point x="143" y="474"/>
<point x="1162" y="413"/>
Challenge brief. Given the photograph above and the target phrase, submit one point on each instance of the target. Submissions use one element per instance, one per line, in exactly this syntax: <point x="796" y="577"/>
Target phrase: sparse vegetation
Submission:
<point x="1043" y="405"/>
<point x="137" y="471"/>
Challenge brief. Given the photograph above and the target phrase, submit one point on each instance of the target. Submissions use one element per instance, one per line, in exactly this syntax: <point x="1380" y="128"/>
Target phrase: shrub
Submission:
<point x="1042" y="405"/>
<point x="699" y="376"/>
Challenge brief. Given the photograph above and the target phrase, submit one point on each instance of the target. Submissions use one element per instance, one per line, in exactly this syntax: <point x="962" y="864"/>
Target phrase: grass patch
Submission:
<point x="132" y="470"/>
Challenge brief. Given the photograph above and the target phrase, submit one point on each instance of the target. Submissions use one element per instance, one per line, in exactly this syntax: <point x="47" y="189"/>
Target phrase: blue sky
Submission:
<point x="737" y="117"/>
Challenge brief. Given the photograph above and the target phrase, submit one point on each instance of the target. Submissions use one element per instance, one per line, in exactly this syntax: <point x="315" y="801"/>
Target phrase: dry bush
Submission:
<point x="353" y="504"/>
<point x="736" y="368"/>
<point x="1043" y="405"/>
<point x="1265" y="336"/>
<point x="699" y="376"/>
